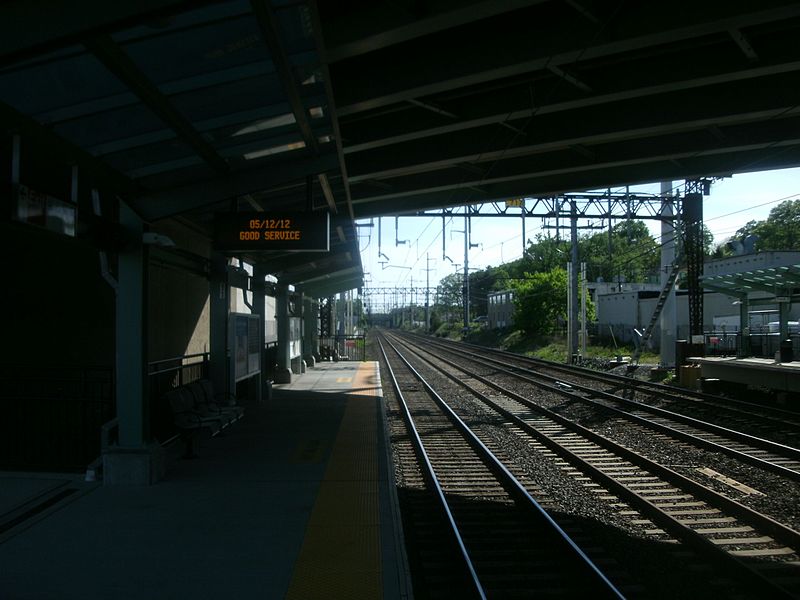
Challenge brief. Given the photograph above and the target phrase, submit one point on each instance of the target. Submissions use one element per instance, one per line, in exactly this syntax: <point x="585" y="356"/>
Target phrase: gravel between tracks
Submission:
<point x="602" y="523"/>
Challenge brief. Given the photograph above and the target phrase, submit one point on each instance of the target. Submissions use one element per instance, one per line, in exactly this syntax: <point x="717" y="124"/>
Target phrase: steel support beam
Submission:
<point x="198" y="195"/>
<point x="283" y="371"/>
<point x="270" y="31"/>
<point x="219" y="292"/>
<point x="442" y="77"/>
<point x="513" y="113"/>
<point x="29" y="34"/>
<point x="120" y="64"/>
<point x="693" y="249"/>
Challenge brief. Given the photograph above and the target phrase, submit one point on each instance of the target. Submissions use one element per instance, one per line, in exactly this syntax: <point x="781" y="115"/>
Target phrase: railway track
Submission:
<point x="665" y="505"/>
<point x="509" y="546"/>
<point x="773" y="423"/>
<point x="584" y="386"/>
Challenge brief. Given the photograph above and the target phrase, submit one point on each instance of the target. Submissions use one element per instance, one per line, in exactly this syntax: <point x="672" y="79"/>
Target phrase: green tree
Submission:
<point x="628" y="252"/>
<point x="540" y="301"/>
<point x="781" y="229"/>
<point x="450" y="295"/>
<point x="481" y="283"/>
<point x="545" y="254"/>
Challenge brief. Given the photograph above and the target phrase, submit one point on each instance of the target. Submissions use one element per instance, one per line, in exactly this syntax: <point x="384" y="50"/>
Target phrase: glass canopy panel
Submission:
<point x="111" y="126"/>
<point x="281" y="141"/>
<point x="187" y="175"/>
<point x="211" y="47"/>
<point x="46" y="86"/>
<point x="217" y="101"/>
<point x="136" y="159"/>
<point x="243" y="122"/>
<point x="187" y="19"/>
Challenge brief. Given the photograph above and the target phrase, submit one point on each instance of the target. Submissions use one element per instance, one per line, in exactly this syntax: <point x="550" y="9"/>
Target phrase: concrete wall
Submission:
<point x="58" y="309"/>
<point x="178" y="299"/>
<point x="627" y="311"/>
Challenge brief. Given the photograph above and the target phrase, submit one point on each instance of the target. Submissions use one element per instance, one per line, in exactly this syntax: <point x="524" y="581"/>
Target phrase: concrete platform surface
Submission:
<point x="296" y="500"/>
<point x="764" y="372"/>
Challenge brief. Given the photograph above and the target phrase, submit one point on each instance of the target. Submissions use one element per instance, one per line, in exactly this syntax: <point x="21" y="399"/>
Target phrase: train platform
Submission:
<point x="766" y="372"/>
<point x="294" y="501"/>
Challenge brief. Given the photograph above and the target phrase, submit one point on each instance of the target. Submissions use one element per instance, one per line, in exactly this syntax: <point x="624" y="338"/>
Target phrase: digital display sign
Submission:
<point x="288" y="232"/>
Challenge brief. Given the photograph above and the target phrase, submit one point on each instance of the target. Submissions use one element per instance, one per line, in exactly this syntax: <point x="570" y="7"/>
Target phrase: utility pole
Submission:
<point x="466" y="269"/>
<point x="467" y="245"/>
<point x="668" y="246"/>
<point x="524" y="237"/>
<point x="584" y="329"/>
<point x="427" y="292"/>
<point x="413" y="299"/>
<point x="573" y="316"/>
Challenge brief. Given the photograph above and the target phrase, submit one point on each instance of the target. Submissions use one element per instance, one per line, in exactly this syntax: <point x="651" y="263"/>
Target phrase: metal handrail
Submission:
<point x="155" y="363"/>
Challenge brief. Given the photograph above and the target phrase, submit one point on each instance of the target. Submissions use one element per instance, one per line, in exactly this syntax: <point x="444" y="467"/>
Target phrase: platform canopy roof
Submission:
<point x="188" y="108"/>
<point x="782" y="281"/>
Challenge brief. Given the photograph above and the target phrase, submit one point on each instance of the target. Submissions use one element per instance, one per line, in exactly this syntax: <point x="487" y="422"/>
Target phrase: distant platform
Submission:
<point x="751" y="371"/>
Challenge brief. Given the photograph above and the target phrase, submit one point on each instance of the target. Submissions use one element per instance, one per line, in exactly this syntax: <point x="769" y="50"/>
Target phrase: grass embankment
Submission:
<point x="548" y="348"/>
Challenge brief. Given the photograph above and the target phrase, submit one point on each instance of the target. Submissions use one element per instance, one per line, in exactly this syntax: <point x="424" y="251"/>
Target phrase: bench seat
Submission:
<point x="221" y="404"/>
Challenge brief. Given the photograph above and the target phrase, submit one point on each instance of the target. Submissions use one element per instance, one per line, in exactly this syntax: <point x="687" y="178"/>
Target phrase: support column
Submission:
<point x="259" y="308"/>
<point x="783" y="318"/>
<point x="136" y="459"/>
<point x="283" y="372"/>
<point x="466" y="270"/>
<point x="310" y="337"/>
<point x="669" y="321"/>
<point x="219" y="292"/>
<point x="693" y="222"/>
<point x="744" y="327"/>
<point x="573" y="282"/>
<point x="300" y="313"/>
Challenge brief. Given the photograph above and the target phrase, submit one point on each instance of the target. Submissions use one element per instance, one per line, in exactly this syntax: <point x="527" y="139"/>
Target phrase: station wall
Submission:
<point x="59" y="309"/>
<point x="179" y="308"/>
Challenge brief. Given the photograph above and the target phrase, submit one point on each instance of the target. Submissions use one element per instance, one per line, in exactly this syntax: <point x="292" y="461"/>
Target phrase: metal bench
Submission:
<point x="220" y="404"/>
<point x="191" y="417"/>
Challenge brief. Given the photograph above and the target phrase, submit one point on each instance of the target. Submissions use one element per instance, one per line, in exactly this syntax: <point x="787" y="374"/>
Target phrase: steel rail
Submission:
<point x="433" y="480"/>
<point x="511" y="482"/>
<point x="730" y="404"/>
<point x="779" y="449"/>
<point x="660" y="517"/>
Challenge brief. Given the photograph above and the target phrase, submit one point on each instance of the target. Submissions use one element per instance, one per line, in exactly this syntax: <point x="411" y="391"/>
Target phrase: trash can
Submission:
<point x="786" y="352"/>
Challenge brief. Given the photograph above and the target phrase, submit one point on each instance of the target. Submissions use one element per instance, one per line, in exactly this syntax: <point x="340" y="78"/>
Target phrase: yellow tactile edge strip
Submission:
<point x="341" y="552"/>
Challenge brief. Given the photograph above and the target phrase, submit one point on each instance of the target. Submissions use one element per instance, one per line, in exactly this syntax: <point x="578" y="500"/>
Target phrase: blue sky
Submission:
<point x="733" y="202"/>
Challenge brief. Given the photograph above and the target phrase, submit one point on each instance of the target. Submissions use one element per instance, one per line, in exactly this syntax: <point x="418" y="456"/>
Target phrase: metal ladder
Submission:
<point x="662" y="299"/>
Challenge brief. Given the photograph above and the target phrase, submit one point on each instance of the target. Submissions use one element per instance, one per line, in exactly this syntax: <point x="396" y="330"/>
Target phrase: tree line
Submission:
<point x="626" y="253"/>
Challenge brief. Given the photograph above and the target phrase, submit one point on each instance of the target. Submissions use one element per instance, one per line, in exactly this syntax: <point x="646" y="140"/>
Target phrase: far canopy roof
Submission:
<point x="189" y="107"/>
<point x="782" y="281"/>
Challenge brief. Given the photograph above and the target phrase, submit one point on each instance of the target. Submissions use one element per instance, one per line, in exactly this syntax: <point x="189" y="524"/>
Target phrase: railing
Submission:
<point x="343" y="347"/>
<point x="765" y="345"/>
<point x="52" y="416"/>
<point x="165" y="375"/>
<point x="761" y="344"/>
<point x="722" y="343"/>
